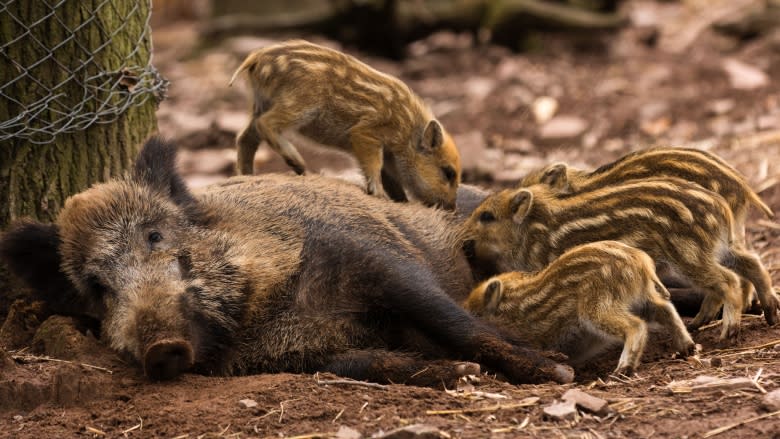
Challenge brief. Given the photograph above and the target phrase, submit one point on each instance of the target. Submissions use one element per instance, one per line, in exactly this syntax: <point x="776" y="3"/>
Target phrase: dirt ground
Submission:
<point x="613" y="94"/>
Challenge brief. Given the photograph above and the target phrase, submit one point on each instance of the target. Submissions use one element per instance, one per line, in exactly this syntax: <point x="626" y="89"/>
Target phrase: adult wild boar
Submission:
<point x="265" y="274"/>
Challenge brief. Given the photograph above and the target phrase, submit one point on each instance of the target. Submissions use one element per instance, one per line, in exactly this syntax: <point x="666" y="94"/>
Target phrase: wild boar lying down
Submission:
<point x="265" y="274"/>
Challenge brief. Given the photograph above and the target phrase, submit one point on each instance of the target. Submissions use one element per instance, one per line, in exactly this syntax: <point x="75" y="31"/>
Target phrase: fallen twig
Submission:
<point x="747" y="348"/>
<point x="351" y="383"/>
<point x="30" y="358"/>
<point x="139" y="426"/>
<point x="94" y="430"/>
<point x="524" y="403"/>
<point x="720" y="430"/>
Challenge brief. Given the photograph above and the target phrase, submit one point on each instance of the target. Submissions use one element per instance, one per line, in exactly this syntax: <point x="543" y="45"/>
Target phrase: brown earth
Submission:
<point x="615" y="94"/>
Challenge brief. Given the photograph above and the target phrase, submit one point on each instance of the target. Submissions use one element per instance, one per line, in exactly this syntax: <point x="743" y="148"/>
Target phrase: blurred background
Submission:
<point x="519" y="83"/>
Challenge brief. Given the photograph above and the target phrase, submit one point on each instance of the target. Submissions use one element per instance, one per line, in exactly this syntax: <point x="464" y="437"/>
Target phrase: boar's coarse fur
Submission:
<point x="266" y="274"/>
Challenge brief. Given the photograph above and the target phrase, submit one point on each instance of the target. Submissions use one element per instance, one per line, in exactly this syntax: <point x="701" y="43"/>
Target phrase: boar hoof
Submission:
<point x="167" y="359"/>
<point x="466" y="368"/>
<point x="563" y="374"/>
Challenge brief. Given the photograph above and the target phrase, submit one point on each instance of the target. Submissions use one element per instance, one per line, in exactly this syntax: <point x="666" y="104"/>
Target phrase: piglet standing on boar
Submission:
<point x="338" y="101"/>
<point x="590" y="296"/>
<point x="265" y="274"/>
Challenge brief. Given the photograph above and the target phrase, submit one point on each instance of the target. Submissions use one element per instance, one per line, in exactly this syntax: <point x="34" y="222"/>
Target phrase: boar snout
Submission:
<point x="167" y="359"/>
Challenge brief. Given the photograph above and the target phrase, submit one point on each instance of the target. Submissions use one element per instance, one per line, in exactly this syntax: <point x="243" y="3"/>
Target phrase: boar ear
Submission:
<point x="433" y="136"/>
<point x="555" y="176"/>
<point x="521" y="204"/>
<point x="494" y="292"/>
<point x="156" y="167"/>
<point x="31" y="251"/>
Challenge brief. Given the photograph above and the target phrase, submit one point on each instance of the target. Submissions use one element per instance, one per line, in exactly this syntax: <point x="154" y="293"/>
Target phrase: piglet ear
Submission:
<point x="494" y="292"/>
<point x="520" y="205"/>
<point x="31" y="252"/>
<point x="433" y="136"/>
<point x="156" y="167"/>
<point x="555" y="176"/>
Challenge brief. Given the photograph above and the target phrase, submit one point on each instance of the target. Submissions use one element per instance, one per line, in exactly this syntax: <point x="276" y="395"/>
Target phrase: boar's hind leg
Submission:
<point x="396" y="367"/>
<point x="417" y="297"/>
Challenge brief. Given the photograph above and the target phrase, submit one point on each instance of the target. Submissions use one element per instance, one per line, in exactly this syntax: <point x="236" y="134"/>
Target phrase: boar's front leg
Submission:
<point x="400" y="368"/>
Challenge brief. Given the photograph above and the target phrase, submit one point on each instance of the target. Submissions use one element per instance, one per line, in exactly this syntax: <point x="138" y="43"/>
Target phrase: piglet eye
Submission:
<point x="486" y="217"/>
<point x="155" y="237"/>
<point x="449" y="173"/>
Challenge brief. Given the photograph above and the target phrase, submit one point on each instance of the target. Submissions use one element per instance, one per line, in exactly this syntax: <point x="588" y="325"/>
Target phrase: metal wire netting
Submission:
<point x="67" y="85"/>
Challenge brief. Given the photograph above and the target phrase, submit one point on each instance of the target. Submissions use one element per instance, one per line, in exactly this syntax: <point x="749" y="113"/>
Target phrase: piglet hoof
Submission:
<point x="689" y="350"/>
<point x="297" y="168"/>
<point x="729" y="335"/>
<point x="771" y="313"/>
<point x="623" y="371"/>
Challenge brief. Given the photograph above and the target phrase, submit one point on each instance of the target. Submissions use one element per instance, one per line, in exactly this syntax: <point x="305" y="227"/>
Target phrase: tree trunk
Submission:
<point x="35" y="179"/>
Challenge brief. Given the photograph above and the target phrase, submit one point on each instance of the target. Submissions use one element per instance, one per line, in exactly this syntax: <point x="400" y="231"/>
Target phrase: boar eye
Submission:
<point x="155" y="237"/>
<point x="486" y="217"/>
<point x="449" y="173"/>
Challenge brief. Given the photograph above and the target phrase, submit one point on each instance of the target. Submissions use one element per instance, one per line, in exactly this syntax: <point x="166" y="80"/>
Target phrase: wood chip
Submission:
<point x="706" y="383"/>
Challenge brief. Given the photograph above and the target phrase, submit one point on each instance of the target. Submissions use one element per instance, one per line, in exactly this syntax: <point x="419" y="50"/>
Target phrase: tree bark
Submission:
<point x="35" y="179"/>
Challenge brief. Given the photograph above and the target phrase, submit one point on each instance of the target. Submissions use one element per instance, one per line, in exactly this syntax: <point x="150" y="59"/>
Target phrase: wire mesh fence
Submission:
<point x="69" y="66"/>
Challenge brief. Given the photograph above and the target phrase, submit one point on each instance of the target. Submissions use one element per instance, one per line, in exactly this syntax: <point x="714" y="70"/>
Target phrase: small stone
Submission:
<point x="719" y="107"/>
<point x="565" y="410"/>
<point x="743" y="76"/>
<point x="563" y="127"/>
<point x="18" y="418"/>
<point x="348" y="433"/>
<point x="478" y="88"/>
<point x="522" y="146"/>
<point x="587" y="402"/>
<point x="247" y="403"/>
<point x="416" y="431"/>
<point x="653" y="110"/>
<point x="771" y="401"/>
<point x="544" y="108"/>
